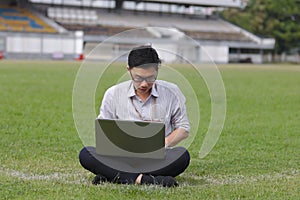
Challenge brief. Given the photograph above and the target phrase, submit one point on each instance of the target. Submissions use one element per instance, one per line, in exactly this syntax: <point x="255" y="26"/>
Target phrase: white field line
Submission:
<point x="74" y="178"/>
<point x="83" y="178"/>
<point x="241" y="179"/>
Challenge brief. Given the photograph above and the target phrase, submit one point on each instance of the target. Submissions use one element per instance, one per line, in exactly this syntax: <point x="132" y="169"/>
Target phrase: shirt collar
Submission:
<point x="131" y="90"/>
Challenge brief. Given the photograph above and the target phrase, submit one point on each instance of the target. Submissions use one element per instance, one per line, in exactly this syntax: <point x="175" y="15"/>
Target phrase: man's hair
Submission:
<point x="143" y="56"/>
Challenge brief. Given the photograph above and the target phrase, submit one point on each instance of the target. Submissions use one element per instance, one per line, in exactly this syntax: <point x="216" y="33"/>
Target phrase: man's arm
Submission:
<point x="179" y="120"/>
<point x="175" y="137"/>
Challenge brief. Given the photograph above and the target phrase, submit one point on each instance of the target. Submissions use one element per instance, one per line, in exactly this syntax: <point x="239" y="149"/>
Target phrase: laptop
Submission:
<point x="123" y="138"/>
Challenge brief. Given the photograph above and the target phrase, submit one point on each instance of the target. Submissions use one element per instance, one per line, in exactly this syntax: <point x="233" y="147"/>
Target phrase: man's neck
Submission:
<point x="143" y="97"/>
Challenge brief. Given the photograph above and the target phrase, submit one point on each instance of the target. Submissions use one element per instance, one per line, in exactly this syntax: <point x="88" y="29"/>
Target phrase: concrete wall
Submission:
<point x="217" y="54"/>
<point x="23" y="45"/>
<point x="168" y="52"/>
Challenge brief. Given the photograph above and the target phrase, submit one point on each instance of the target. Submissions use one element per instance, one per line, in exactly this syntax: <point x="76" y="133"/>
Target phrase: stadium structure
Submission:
<point x="70" y="29"/>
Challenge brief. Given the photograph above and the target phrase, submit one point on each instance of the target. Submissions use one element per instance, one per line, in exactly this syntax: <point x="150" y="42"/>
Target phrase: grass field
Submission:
<point x="256" y="157"/>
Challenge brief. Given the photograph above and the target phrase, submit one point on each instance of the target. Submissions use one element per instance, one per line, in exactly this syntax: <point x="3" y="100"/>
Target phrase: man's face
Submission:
<point x="143" y="79"/>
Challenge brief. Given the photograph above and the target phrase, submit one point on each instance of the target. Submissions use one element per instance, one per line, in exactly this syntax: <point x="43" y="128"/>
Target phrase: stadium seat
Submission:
<point x="222" y="36"/>
<point x="72" y="15"/>
<point x="17" y="19"/>
<point x="106" y="23"/>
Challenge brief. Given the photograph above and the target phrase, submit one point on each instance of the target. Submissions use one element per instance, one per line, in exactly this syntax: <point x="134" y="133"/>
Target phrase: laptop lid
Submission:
<point x="130" y="138"/>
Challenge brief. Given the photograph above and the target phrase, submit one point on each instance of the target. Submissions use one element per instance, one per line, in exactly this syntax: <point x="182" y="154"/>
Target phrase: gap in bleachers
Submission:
<point x="13" y="18"/>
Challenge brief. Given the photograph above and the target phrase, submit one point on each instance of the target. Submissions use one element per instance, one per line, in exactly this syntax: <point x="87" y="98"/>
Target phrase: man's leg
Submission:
<point x="176" y="161"/>
<point x="181" y="158"/>
<point x="166" y="174"/>
<point x="90" y="161"/>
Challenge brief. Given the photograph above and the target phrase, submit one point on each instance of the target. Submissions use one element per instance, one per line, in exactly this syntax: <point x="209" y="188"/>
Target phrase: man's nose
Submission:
<point x="144" y="83"/>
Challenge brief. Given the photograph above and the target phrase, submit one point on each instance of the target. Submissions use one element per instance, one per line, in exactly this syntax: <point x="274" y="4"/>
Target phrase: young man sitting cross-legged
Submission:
<point x="140" y="95"/>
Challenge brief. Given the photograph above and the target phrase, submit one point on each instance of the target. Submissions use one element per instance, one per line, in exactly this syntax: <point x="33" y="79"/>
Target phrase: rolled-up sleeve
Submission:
<point x="179" y="117"/>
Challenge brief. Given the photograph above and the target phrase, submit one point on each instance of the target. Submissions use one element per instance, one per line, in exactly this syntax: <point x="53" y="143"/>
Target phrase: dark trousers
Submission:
<point x="176" y="161"/>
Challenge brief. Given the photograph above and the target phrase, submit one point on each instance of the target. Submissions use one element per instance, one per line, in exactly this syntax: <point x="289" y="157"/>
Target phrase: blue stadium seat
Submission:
<point x="16" y="19"/>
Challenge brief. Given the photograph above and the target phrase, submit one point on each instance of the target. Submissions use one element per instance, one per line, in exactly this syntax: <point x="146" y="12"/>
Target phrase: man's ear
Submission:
<point x="128" y="69"/>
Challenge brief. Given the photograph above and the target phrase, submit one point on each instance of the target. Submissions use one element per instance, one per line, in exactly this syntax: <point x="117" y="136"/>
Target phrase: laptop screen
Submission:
<point x="130" y="138"/>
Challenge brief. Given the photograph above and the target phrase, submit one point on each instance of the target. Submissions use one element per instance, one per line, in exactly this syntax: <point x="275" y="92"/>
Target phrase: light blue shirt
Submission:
<point x="166" y="103"/>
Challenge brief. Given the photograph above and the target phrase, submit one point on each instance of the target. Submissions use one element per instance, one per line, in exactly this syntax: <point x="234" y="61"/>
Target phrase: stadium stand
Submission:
<point x="101" y="22"/>
<point x="22" y="20"/>
<point x="80" y="25"/>
<point x="216" y="36"/>
<point x="105" y="30"/>
<point x="73" y="15"/>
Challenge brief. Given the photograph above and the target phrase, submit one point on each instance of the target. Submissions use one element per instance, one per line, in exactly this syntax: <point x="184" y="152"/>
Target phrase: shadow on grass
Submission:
<point x="190" y="180"/>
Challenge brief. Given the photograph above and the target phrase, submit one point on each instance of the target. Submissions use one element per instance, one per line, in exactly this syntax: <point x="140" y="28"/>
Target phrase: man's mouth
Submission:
<point x="143" y="89"/>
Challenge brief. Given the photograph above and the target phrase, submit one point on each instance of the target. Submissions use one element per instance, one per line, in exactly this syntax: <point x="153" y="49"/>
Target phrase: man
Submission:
<point x="146" y="99"/>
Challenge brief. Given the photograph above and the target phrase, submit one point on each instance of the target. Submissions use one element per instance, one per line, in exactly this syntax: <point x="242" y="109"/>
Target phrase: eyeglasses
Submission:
<point x="139" y="79"/>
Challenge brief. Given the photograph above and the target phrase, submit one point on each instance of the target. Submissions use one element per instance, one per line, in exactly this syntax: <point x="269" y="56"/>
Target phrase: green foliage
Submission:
<point x="277" y="19"/>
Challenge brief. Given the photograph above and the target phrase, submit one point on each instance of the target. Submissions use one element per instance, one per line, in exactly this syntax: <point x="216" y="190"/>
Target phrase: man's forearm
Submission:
<point x="175" y="137"/>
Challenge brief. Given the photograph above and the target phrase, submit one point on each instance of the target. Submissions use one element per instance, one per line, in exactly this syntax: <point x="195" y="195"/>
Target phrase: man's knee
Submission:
<point x="185" y="156"/>
<point x="183" y="152"/>
<point x="85" y="155"/>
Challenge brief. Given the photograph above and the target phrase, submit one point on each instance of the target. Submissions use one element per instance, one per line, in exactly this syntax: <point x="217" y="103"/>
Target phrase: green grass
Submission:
<point x="256" y="157"/>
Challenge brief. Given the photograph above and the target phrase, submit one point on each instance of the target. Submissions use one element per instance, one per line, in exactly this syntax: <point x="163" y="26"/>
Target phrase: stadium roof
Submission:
<point x="207" y="3"/>
<point x="214" y="3"/>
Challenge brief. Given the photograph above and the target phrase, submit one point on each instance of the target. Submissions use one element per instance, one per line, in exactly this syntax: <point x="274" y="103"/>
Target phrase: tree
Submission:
<point x="269" y="18"/>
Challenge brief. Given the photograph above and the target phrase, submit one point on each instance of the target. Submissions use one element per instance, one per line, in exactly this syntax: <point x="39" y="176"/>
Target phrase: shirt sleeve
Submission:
<point x="179" y="117"/>
<point x="107" y="109"/>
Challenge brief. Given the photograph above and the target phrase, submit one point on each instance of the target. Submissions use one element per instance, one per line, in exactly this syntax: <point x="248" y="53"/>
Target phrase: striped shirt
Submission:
<point x="166" y="103"/>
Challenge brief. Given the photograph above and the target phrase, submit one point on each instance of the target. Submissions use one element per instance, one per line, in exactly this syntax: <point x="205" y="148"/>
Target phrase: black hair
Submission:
<point x="143" y="56"/>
